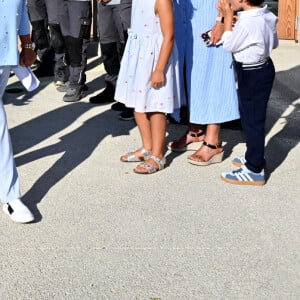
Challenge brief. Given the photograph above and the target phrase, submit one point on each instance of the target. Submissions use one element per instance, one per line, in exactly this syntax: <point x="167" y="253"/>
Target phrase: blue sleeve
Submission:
<point x="24" y="22"/>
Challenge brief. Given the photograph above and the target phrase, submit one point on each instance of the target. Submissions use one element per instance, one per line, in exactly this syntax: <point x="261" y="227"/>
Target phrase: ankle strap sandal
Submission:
<point x="196" y="135"/>
<point x="150" y="169"/>
<point x="131" y="156"/>
<point x="215" y="147"/>
<point x="197" y="138"/>
<point x="196" y="159"/>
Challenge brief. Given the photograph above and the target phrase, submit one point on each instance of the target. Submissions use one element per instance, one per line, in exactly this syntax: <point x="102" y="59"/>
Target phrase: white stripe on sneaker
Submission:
<point x="244" y="177"/>
<point x="248" y="177"/>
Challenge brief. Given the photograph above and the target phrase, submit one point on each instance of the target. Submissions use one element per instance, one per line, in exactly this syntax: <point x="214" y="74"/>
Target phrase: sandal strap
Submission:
<point x="217" y="146"/>
<point x="161" y="162"/>
<point x="195" y="135"/>
<point x="150" y="169"/>
<point x="153" y="169"/>
<point x="131" y="157"/>
<point x="146" y="153"/>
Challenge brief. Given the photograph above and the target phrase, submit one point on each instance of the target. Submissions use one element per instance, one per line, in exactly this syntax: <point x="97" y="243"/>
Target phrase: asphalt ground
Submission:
<point x="103" y="232"/>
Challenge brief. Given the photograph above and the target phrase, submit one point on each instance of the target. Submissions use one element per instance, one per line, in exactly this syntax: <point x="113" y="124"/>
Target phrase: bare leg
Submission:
<point x="158" y="133"/>
<point x="212" y="137"/>
<point x="144" y="126"/>
<point x="143" y="123"/>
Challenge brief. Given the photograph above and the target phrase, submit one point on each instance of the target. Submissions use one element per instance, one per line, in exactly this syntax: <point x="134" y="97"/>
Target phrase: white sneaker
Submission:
<point x="18" y="212"/>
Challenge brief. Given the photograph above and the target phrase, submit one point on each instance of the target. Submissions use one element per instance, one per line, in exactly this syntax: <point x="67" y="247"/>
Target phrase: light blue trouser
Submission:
<point x="9" y="179"/>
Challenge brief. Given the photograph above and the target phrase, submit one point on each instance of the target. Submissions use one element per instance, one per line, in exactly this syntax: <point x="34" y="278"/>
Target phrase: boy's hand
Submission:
<point x="225" y="8"/>
<point x="157" y="79"/>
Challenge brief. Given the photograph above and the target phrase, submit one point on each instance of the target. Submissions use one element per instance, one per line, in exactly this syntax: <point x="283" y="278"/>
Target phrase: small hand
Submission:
<point x="157" y="79"/>
<point x="225" y="8"/>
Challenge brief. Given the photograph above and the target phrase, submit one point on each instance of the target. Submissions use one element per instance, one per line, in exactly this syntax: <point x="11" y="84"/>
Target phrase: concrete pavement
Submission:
<point x="103" y="232"/>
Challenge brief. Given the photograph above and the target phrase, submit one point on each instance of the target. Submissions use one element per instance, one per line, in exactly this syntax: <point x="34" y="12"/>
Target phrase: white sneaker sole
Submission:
<point x="25" y="217"/>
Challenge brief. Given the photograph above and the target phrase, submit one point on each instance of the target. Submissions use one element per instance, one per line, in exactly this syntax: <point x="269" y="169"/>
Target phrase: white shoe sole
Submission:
<point x="23" y="217"/>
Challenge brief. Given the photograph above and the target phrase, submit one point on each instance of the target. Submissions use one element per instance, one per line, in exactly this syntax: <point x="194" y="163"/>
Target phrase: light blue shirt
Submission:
<point x="13" y="22"/>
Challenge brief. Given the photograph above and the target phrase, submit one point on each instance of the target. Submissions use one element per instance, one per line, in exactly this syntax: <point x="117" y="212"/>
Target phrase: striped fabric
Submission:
<point x="211" y="88"/>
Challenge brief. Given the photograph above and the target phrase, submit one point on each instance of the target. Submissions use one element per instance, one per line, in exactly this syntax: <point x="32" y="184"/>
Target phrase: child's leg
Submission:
<point x="141" y="153"/>
<point x="158" y="132"/>
<point x="143" y="123"/>
<point x="254" y="91"/>
<point x="158" y="126"/>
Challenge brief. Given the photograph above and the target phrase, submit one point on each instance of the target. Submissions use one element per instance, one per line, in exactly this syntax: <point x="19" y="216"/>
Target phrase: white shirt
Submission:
<point x="253" y="36"/>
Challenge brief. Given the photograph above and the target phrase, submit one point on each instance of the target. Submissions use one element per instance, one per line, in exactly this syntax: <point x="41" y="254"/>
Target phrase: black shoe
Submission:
<point x="118" y="106"/>
<point x="127" y="115"/>
<point x="106" y="96"/>
<point x="73" y="94"/>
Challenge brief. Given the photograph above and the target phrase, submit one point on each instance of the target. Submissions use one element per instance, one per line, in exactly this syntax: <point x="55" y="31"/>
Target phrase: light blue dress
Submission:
<point x="139" y="61"/>
<point x="14" y="22"/>
<point x="211" y="89"/>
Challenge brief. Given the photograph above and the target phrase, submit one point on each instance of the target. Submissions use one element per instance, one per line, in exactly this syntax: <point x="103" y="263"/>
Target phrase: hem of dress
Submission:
<point x="144" y="111"/>
<point x="216" y="122"/>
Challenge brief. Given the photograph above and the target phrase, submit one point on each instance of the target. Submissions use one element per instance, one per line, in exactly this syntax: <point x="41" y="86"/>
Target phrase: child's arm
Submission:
<point x="164" y="10"/>
<point x="227" y="12"/>
<point x="218" y="29"/>
<point x="233" y="40"/>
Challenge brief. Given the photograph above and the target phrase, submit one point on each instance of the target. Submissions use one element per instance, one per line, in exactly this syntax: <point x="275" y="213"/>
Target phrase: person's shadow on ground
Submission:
<point x="284" y="109"/>
<point x="75" y="147"/>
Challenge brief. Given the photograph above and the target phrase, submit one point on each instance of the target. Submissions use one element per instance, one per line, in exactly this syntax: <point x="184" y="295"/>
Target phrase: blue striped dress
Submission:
<point x="211" y="89"/>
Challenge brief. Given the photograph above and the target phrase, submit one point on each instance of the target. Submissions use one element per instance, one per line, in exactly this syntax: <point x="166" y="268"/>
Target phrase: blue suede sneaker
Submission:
<point x="239" y="161"/>
<point x="244" y="176"/>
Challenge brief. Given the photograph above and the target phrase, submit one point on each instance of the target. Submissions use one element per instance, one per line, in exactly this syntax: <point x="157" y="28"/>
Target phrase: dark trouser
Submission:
<point x="111" y="62"/>
<point x="75" y="20"/>
<point x="56" y="38"/>
<point x="42" y="13"/>
<point x="254" y="89"/>
<point x="37" y="10"/>
<point x="39" y="21"/>
<point x="113" y="22"/>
